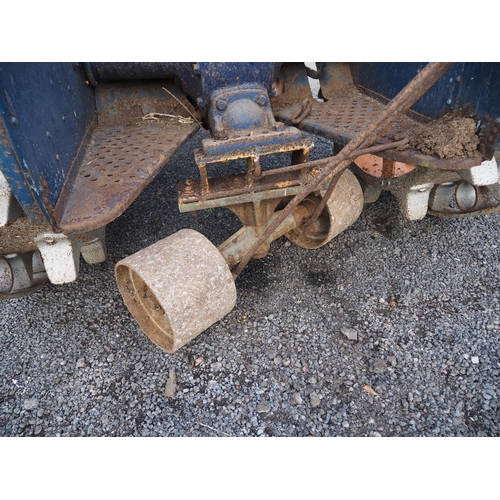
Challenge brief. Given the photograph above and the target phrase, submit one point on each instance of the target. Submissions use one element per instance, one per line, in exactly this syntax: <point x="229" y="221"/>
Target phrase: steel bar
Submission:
<point x="398" y="106"/>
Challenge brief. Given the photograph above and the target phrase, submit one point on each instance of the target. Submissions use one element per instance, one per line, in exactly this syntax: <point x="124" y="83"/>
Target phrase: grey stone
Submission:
<point x="296" y="399"/>
<point x="392" y="360"/>
<point x="81" y="363"/>
<point x="350" y="333"/>
<point x="315" y="399"/>
<point x="212" y="384"/>
<point x="30" y="404"/>
<point x="379" y="366"/>
<point x="171" y="384"/>
<point x="262" y="408"/>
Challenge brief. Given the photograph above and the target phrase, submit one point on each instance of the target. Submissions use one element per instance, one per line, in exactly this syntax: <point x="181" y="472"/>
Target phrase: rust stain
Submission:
<point x="45" y="195"/>
<point x="284" y="184"/>
<point x="119" y="164"/>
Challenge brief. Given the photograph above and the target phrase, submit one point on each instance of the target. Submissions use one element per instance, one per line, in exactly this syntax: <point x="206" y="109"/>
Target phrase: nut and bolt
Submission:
<point x="261" y="99"/>
<point x="221" y="104"/>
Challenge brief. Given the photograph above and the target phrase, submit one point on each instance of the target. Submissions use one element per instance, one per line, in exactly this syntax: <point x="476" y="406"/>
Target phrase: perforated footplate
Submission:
<point x="120" y="162"/>
<point x="341" y="118"/>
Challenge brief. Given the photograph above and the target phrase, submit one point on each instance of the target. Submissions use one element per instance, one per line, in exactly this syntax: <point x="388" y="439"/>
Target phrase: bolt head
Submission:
<point x="262" y="100"/>
<point x="221" y="105"/>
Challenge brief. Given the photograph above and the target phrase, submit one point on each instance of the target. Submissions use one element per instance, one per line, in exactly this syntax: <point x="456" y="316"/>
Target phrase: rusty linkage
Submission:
<point x="303" y="112"/>
<point x="320" y="163"/>
<point x="337" y="164"/>
<point x="374" y="149"/>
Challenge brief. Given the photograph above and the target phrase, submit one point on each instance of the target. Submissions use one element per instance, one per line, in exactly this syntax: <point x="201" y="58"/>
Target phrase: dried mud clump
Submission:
<point x="448" y="137"/>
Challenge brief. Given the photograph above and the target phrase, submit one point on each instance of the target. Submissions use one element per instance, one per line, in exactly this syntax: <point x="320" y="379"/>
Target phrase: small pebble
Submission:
<point x="315" y="400"/>
<point x="350" y="333"/>
<point x="171" y="385"/>
<point x="30" y="404"/>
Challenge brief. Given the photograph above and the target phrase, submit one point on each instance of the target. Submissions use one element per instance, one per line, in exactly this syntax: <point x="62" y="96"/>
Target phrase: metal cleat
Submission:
<point x="414" y="201"/>
<point x="61" y="256"/>
<point x="485" y="174"/>
<point x="94" y="246"/>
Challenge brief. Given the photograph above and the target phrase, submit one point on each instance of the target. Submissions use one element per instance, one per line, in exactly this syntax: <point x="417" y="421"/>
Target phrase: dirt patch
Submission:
<point x="448" y="137"/>
<point x="348" y="90"/>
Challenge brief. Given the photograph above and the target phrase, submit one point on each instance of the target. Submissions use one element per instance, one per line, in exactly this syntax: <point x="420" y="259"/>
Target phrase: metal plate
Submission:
<point x="119" y="164"/>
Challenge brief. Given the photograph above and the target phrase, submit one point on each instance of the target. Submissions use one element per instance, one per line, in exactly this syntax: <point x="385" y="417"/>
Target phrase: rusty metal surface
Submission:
<point x="283" y="142"/>
<point x="330" y="213"/>
<point x="341" y="118"/>
<point x="119" y="164"/>
<point x="242" y="188"/>
<point x="486" y="200"/>
<point x="176" y="288"/>
<point x="261" y="141"/>
<point x="365" y="138"/>
<point x="236" y="246"/>
<point x="123" y="102"/>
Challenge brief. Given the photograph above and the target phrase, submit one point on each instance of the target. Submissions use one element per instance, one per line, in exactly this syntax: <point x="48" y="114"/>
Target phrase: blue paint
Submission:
<point x="472" y="85"/>
<point x="33" y="99"/>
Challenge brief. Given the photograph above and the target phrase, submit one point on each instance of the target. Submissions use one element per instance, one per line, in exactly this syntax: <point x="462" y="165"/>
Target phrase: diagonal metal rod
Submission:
<point x="369" y="134"/>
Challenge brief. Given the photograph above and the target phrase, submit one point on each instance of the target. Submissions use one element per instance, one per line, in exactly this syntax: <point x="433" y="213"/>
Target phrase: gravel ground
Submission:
<point x="392" y="329"/>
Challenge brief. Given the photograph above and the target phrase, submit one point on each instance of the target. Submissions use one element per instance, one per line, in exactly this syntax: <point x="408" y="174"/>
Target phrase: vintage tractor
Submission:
<point x="80" y="142"/>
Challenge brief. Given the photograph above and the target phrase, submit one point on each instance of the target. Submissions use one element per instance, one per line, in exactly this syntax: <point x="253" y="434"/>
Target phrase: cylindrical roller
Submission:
<point x="466" y="196"/>
<point x="176" y="288"/>
<point x="341" y="211"/>
<point x="441" y="196"/>
<point x="21" y="274"/>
